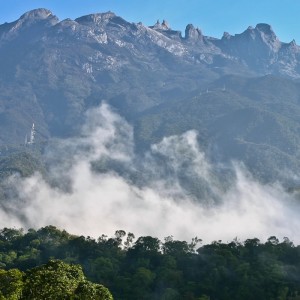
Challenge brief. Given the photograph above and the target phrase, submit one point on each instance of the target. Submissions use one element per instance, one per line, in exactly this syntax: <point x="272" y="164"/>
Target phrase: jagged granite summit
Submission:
<point x="53" y="70"/>
<point x="257" y="49"/>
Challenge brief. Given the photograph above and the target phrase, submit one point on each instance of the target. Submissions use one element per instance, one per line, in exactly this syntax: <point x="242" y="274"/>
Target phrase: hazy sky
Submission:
<point x="212" y="16"/>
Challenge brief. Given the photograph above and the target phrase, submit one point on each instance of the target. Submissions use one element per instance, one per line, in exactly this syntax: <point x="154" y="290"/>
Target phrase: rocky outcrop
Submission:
<point x="193" y="34"/>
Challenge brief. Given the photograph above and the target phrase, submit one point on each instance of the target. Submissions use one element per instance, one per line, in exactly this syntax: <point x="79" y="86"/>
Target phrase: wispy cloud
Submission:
<point x="170" y="190"/>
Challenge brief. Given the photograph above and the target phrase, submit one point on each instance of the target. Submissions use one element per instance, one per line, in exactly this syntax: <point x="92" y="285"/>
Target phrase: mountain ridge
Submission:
<point x="53" y="71"/>
<point x="262" y="33"/>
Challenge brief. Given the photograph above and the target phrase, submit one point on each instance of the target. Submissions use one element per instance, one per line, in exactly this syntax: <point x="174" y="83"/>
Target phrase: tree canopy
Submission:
<point x="55" y="280"/>
<point x="144" y="268"/>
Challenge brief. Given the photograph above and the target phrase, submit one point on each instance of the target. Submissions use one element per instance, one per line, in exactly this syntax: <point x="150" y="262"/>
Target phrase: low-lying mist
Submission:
<point x="97" y="184"/>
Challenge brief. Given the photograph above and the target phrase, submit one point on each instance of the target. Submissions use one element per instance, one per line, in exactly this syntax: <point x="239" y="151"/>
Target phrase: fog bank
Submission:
<point x="97" y="184"/>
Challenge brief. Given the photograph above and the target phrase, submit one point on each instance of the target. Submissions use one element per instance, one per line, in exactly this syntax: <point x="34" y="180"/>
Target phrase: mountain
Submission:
<point x="240" y="92"/>
<point x="254" y="120"/>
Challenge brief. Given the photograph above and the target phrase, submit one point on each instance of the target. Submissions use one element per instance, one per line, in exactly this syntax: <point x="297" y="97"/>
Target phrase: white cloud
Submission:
<point x="160" y="205"/>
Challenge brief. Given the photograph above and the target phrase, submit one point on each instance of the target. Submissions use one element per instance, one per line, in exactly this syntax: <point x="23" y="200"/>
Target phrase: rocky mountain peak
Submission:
<point x="258" y="48"/>
<point x="226" y="36"/>
<point x="95" y="19"/>
<point x="260" y="29"/>
<point x="249" y="33"/>
<point x="267" y="31"/>
<point x="192" y="33"/>
<point x="293" y="43"/>
<point x="265" y="28"/>
<point x="161" y="26"/>
<point x="259" y="38"/>
<point x="41" y="18"/>
<point x="165" y="25"/>
<point x="37" y="14"/>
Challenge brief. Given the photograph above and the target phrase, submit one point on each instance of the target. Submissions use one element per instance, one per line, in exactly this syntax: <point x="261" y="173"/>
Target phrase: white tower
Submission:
<point x="32" y="134"/>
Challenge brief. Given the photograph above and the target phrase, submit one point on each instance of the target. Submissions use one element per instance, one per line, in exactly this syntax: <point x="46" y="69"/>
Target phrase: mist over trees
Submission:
<point x="144" y="129"/>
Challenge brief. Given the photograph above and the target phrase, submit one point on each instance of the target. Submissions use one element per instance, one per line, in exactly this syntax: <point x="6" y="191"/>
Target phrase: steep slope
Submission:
<point x="251" y="120"/>
<point x="53" y="70"/>
<point x="46" y="80"/>
<point x="162" y="82"/>
<point x="261" y="50"/>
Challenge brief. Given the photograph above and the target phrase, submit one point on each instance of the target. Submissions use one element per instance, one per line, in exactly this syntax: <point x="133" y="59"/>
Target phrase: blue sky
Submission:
<point x="213" y="17"/>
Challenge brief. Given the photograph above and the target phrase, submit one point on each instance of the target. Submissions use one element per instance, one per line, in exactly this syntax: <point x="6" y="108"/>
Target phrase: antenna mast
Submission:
<point x="32" y="135"/>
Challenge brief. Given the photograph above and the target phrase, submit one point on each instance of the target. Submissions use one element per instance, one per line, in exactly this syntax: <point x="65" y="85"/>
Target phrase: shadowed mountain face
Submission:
<point x="253" y="120"/>
<point x="240" y="92"/>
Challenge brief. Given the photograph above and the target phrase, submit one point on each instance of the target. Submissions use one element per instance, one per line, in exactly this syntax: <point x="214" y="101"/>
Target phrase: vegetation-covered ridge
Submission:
<point x="147" y="268"/>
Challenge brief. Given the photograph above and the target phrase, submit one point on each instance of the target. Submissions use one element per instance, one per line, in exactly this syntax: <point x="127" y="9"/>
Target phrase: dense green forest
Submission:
<point x="147" y="268"/>
<point x="55" y="280"/>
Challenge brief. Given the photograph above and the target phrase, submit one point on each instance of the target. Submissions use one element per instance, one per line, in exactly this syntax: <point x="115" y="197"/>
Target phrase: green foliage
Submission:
<point x="55" y="280"/>
<point x="146" y="268"/>
<point x="92" y="291"/>
<point x="20" y="161"/>
<point x="11" y="284"/>
<point x="249" y="121"/>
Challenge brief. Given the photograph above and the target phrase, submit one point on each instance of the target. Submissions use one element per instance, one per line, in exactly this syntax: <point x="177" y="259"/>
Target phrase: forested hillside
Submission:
<point x="148" y="268"/>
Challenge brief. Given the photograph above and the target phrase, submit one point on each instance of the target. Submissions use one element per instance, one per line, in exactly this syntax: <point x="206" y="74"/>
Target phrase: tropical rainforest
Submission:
<point x="48" y="263"/>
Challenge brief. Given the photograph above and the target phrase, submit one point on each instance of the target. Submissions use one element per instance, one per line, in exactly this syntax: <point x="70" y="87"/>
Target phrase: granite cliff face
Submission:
<point x="52" y="71"/>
